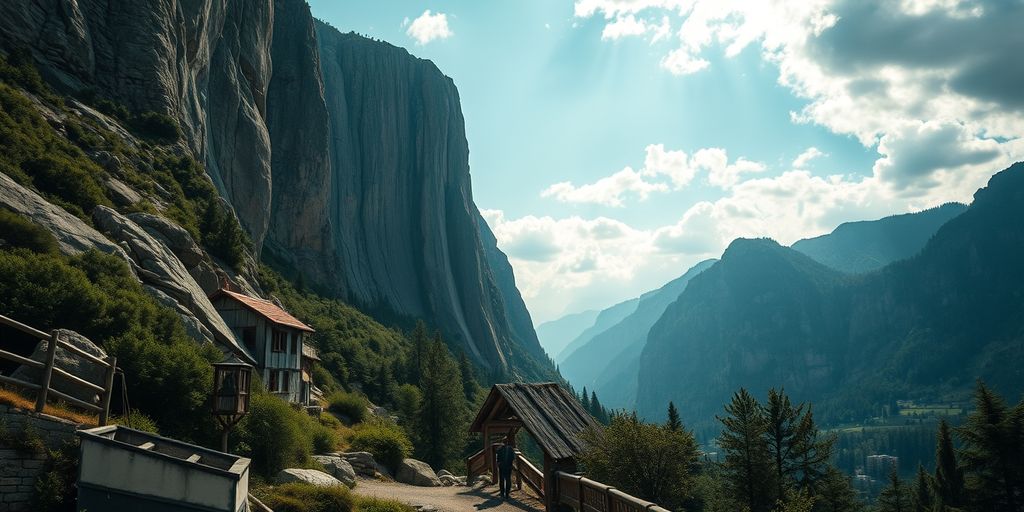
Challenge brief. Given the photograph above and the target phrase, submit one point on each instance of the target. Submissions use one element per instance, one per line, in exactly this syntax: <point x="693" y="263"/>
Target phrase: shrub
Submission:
<point x="325" y="439"/>
<point x="18" y="231"/>
<point x="302" y="497"/>
<point x="160" y="127"/>
<point x="371" y="504"/>
<point x="137" y="421"/>
<point x="54" y="489"/>
<point x="277" y="435"/>
<point x="386" y="441"/>
<point x="349" y="405"/>
<point x="408" y="399"/>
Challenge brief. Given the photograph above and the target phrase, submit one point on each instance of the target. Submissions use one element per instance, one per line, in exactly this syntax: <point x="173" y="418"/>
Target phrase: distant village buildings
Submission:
<point x="276" y="339"/>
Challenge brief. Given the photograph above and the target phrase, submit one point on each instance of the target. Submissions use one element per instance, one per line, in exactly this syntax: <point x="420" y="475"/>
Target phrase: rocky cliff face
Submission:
<point x="344" y="158"/>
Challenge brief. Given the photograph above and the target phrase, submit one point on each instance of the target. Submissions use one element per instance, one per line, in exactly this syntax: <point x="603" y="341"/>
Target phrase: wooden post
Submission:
<point x="108" y="389"/>
<point x="582" y="494"/>
<point x="44" y="381"/>
<point x="550" y="487"/>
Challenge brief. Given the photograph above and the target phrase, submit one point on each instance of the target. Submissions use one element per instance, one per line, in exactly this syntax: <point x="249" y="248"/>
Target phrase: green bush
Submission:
<point x="277" y="436"/>
<point x="386" y="441"/>
<point x="302" y="497"/>
<point x="18" y="231"/>
<point x="408" y="399"/>
<point x="161" y="127"/>
<point x="349" y="405"/>
<point x="54" y="489"/>
<point x="325" y="439"/>
<point x="138" y="421"/>
<point x="371" y="504"/>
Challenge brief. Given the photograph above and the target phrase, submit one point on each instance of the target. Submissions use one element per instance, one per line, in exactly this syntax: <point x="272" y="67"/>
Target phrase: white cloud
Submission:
<point x="805" y="158"/>
<point x="429" y="27"/>
<point x="622" y="27"/>
<point x="608" y="191"/>
<point x="872" y="69"/>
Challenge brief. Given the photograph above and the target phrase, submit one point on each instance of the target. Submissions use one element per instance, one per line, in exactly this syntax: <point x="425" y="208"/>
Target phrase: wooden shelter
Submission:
<point x="549" y="413"/>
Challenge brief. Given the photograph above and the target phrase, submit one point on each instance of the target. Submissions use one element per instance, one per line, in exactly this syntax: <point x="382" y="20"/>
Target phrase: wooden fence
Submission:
<point x="43" y="388"/>
<point x="586" y="495"/>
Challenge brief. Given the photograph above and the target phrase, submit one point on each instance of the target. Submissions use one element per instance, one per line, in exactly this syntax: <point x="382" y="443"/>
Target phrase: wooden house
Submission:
<point x="274" y="338"/>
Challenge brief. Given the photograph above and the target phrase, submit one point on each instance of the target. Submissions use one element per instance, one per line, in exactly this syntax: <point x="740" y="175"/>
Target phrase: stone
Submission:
<point x="449" y="480"/>
<point x="482" y="480"/>
<point x="415" y="472"/>
<point x="158" y="267"/>
<point x="70" y="362"/>
<point x="309" y="476"/>
<point x="73" y="235"/>
<point x="338" y="467"/>
<point x="444" y="472"/>
<point x="121" y="193"/>
<point x="175" y="237"/>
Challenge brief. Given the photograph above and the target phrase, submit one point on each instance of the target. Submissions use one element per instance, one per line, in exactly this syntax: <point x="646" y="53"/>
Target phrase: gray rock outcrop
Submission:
<point x="309" y="476"/>
<point x="160" y="269"/>
<point x="338" y="468"/>
<point x="415" y="472"/>
<point x="66" y="360"/>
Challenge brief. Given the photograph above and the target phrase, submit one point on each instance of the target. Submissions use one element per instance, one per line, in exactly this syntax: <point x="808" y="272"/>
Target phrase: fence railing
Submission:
<point x="43" y="389"/>
<point x="586" y="495"/>
<point x="525" y="472"/>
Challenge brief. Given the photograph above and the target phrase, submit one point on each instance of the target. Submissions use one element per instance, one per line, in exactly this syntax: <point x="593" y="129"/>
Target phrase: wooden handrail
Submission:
<point x="43" y="388"/>
<point x="586" y="495"/>
<point x="526" y="471"/>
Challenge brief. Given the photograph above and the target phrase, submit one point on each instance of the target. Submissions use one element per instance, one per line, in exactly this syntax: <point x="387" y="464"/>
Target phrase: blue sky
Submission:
<point x="566" y="103"/>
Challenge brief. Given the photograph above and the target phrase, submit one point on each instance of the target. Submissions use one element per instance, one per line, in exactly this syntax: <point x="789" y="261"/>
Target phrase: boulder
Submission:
<point x="175" y="237"/>
<point x="338" y="467"/>
<point x="309" y="476"/>
<point x="70" y="362"/>
<point x="362" y="462"/>
<point x="157" y="266"/>
<point x="444" y="472"/>
<point x="449" y="480"/>
<point x="415" y="472"/>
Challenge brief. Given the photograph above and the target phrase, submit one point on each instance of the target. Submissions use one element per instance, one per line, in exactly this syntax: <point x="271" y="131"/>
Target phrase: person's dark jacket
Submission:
<point x="506" y="455"/>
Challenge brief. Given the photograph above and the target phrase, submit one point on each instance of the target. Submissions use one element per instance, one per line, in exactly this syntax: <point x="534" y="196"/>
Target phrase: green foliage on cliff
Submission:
<point x="17" y="231"/>
<point x="95" y="294"/>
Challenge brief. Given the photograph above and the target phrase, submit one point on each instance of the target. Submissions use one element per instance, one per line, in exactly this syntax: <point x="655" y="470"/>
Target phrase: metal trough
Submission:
<point x="125" y="470"/>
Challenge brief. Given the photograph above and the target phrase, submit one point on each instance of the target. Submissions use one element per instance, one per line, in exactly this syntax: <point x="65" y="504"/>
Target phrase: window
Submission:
<point x="295" y="344"/>
<point x="272" y="387"/>
<point x="249" y="337"/>
<point x="280" y="341"/>
<point x="284" y="381"/>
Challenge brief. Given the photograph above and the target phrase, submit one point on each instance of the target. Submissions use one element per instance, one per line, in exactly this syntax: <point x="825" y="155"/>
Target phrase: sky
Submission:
<point x="615" y="143"/>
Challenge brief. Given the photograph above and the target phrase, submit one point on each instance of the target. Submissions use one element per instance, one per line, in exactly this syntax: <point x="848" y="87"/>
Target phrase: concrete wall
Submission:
<point x="19" y="470"/>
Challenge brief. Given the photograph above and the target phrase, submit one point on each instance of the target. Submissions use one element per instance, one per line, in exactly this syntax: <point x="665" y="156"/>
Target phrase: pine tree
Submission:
<point x="674" y="423"/>
<point x="585" y="400"/>
<point x="949" y="478"/>
<point x="747" y="466"/>
<point x="894" y="498"/>
<point x="835" y="494"/>
<point x="442" y="415"/>
<point x="417" y="355"/>
<point x="596" y="410"/>
<point x="991" y="454"/>
<point x="922" y="500"/>
<point x="469" y="384"/>
<point x="782" y="421"/>
<point x="812" y="452"/>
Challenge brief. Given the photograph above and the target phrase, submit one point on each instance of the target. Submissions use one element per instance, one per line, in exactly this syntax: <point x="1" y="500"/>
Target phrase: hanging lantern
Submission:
<point x="231" y="380"/>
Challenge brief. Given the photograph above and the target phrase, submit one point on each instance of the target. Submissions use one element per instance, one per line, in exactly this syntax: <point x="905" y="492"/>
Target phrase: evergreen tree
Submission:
<point x="417" y="355"/>
<point x="922" y="500"/>
<point x="585" y="400"/>
<point x="895" y="497"/>
<point x="813" y="452"/>
<point x="949" y="478"/>
<point x="991" y="454"/>
<point x="596" y="409"/>
<point x="782" y="438"/>
<point x="835" y="494"/>
<point x="469" y="384"/>
<point x="442" y="414"/>
<point x="747" y="466"/>
<point x="674" y="423"/>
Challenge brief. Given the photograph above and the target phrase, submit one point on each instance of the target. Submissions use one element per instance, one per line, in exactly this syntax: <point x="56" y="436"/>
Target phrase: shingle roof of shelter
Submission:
<point x="552" y="416"/>
<point x="266" y="309"/>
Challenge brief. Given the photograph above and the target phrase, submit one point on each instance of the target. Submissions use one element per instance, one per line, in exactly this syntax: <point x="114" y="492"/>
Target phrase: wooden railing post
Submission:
<point x="44" y="381"/>
<point x="108" y="389"/>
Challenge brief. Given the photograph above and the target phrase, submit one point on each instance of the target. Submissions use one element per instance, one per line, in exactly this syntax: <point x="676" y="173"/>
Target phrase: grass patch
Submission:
<point x="302" y="497"/>
<point x="14" y="399"/>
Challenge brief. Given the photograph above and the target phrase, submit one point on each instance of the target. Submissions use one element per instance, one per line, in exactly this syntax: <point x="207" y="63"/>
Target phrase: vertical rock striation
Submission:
<point x="344" y="158"/>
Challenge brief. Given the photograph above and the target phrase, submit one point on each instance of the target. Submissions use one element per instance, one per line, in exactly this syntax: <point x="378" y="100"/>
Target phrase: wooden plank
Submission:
<point x="23" y="328"/>
<point x="44" y="381"/>
<point x="194" y="458"/>
<point x="108" y="388"/>
<point x="147" y="445"/>
<point x="77" y="351"/>
<point x="19" y="359"/>
<point x="19" y="383"/>
<point x="76" y="402"/>
<point x="77" y="380"/>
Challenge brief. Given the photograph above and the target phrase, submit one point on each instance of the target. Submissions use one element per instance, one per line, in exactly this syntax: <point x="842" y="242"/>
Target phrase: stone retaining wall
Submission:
<point x="19" y="467"/>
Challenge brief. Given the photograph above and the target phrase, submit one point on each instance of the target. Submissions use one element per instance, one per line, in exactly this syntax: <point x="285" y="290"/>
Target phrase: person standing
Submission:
<point x="506" y="456"/>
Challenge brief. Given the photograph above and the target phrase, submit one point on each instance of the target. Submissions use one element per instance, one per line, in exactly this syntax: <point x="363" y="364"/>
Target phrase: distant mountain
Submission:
<point x="601" y="364"/>
<point x="555" y="335"/>
<point x="606" y="318"/>
<point x="858" y="247"/>
<point x="921" y="328"/>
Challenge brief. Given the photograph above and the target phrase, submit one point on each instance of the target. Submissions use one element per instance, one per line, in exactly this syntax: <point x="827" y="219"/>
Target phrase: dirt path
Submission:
<point x="451" y="499"/>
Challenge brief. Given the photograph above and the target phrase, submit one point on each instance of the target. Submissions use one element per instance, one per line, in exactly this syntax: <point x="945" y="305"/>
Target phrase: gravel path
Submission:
<point x="451" y="499"/>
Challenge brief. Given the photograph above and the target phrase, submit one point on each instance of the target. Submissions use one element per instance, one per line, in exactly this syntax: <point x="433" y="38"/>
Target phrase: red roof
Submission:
<point x="266" y="309"/>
